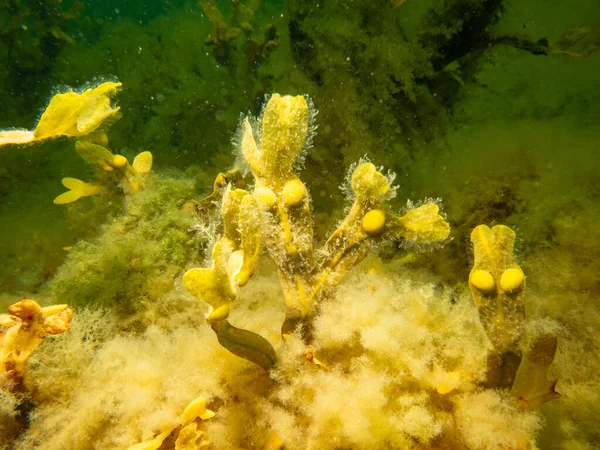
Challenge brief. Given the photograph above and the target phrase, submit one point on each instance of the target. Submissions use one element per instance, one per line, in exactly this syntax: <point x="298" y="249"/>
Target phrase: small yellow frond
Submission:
<point x="72" y="183"/>
<point x="67" y="197"/>
<point x="74" y="114"/>
<point x="77" y="189"/>
<point x="369" y="182"/>
<point x="70" y="114"/>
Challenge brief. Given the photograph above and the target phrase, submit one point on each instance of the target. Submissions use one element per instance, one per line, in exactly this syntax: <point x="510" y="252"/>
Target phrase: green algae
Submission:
<point x="137" y="255"/>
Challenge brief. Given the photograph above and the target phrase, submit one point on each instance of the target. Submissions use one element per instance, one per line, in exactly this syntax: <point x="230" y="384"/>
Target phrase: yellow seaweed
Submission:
<point x="276" y="215"/>
<point x="69" y="114"/>
<point x="77" y="189"/>
<point x="27" y="325"/>
<point x="195" y="410"/>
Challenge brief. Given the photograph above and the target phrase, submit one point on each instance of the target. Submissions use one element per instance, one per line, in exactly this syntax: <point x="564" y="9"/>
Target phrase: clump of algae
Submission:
<point x="137" y="254"/>
<point x="386" y="342"/>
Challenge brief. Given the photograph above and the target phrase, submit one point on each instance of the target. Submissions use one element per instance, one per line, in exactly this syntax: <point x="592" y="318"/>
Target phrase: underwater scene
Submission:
<point x="301" y="224"/>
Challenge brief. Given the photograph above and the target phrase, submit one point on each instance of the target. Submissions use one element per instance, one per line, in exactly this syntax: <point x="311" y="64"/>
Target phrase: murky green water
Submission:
<point x="490" y="107"/>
